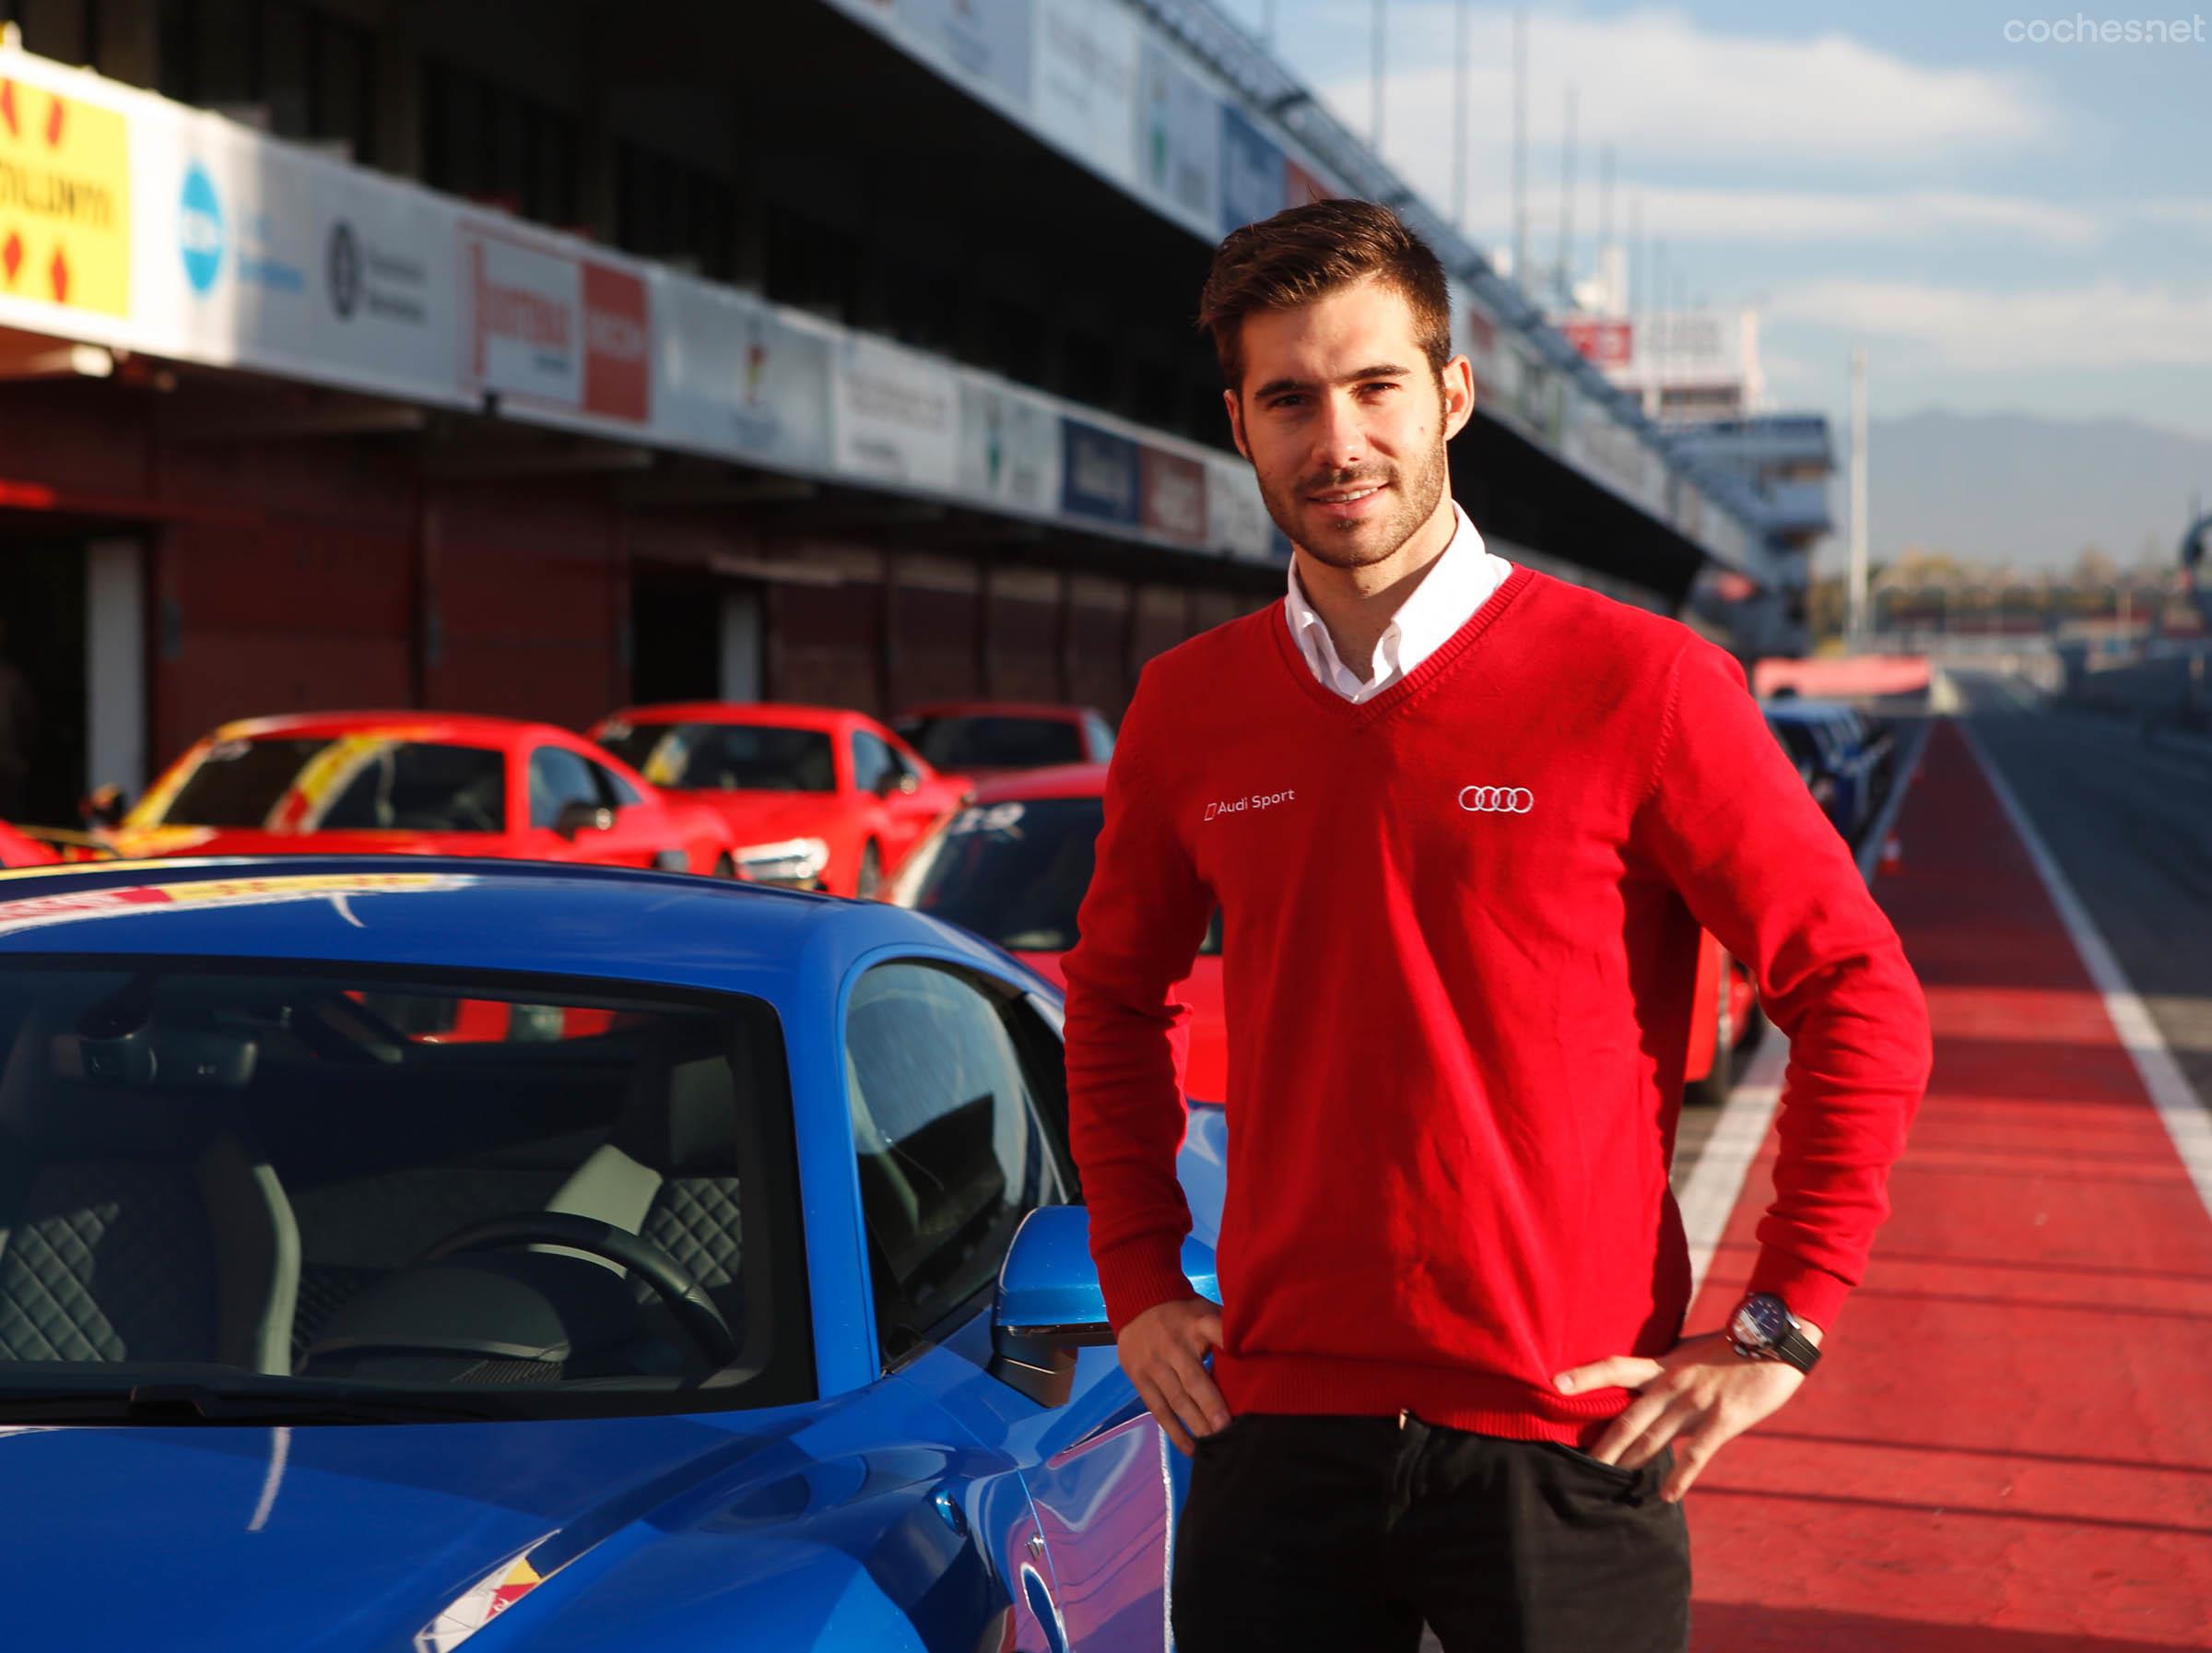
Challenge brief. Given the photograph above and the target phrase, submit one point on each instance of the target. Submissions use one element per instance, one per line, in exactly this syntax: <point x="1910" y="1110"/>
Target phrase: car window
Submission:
<point x="1015" y="873"/>
<point x="995" y="741"/>
<point x="614" y="791"/>
<point x="351" y="783"/>
<point x="726" y="757"/>
<point x="873" y="761"/>
<point x="952" y="1154"/>
<point x="376" y="1113"/>
<point x="1101" y="737"/>
<point x="559" y="778"/>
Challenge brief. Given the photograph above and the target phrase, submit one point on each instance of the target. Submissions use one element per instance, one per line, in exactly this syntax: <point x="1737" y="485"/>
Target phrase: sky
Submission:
<point x="2005" y="226"/>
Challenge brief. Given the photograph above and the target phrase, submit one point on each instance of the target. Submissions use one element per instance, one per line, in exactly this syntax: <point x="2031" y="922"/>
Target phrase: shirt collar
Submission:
<point x="1437" y="606"/>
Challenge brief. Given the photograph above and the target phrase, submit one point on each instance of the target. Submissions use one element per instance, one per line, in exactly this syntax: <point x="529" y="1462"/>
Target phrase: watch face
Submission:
<point x="1759" y="1321"/>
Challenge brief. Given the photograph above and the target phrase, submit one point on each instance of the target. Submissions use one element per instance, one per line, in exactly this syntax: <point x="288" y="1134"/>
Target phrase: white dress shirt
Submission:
<point x="1458" y="582"/>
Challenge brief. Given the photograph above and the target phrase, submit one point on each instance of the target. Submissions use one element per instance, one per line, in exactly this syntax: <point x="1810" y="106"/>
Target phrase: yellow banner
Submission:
<point x="65" y="200"/>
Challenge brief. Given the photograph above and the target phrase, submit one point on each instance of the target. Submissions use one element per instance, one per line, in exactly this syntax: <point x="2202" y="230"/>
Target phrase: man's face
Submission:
<point x="1345" y="422"/>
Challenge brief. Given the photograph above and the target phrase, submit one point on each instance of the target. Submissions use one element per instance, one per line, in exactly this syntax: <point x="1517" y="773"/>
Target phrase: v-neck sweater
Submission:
<point x="1461" y="922"/>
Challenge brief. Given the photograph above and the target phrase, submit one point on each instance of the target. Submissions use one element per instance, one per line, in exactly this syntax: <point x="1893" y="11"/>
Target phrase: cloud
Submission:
<point x="2103" y="325"/>
<point x="1758" y="215"/>
<point x="1664" y="91"/>
<point x="2185" y="212"/>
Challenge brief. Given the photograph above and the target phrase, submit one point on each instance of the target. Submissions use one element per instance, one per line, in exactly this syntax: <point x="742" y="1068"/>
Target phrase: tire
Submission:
<point x="867" y="885"/>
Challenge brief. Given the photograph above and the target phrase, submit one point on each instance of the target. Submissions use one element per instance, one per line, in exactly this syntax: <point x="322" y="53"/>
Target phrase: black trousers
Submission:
<point x="1346" y="1533"/>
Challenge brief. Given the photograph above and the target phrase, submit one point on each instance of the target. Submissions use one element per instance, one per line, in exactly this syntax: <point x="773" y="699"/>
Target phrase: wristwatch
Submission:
<point x="1763" y="1328"/>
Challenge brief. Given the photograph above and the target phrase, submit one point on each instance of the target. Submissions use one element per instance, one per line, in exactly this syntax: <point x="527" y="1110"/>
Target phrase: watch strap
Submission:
<point x="1797" y="1349"/>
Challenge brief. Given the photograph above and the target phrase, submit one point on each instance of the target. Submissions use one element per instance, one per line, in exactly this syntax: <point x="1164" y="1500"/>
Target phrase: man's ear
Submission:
<point x="1235" y="404"/>
<point x="1457" y="383"/>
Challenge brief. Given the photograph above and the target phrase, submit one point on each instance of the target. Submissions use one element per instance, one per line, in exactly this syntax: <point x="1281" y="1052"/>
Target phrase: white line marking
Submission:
<point x="2180" y="1109"/>
<point x="1716" y="1182"/>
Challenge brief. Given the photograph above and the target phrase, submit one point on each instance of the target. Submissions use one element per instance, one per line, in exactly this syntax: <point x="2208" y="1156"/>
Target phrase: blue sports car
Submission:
<point x="527" y="1257"/>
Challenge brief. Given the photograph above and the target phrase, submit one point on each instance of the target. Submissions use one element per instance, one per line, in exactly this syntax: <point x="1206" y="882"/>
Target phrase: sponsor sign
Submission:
<point x="1236" y="521"/>
<point x="1172" y="496"/>
<point x="65" y="199"/>
<point x="1179" y="139"/>
<point x="1010" y="448"/>
<point x="1098" y="474"/>
<point x="284" y="260"/>
<point x="545" y="324"/>
<point x="1086" y="83"/>
<point x="895" y="415"/>
<point x="734" y="376"/>
<point x="1253" y="173"/>
<point x="1608" y="341"/>
<point x="982" y="43"/>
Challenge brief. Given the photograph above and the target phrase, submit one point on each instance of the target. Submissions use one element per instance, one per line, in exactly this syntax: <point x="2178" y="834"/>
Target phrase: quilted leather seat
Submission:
<point x="136" y="1225"/>
<point x="669" y="1171"/>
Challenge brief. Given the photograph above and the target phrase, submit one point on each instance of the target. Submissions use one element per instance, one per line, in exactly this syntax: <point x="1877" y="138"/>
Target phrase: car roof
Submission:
<point x="664" y="929"/>
<point x="462" y="728"/>
<point x="1065" y="780"/>
<point x="765" y="713"/>
<point x="1043" y="710"/>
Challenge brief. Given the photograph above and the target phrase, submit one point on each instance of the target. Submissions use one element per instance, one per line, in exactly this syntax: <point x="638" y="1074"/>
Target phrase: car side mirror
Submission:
<point x="1050" y="1303"/>
<point x="103" y="807"/>
<point x="577" y="818"/>
<point x="896" y="783"/>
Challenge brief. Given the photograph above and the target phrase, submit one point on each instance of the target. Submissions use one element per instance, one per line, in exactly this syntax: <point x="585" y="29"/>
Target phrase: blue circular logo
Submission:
<point x="200" y="228"/>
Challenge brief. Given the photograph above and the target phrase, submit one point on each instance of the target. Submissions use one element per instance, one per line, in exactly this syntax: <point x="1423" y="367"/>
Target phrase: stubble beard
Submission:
<point x="1358" y="544"/>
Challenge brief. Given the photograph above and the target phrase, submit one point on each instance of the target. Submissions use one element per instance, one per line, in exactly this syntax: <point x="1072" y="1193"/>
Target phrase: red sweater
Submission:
<point x="1461" y="934"/>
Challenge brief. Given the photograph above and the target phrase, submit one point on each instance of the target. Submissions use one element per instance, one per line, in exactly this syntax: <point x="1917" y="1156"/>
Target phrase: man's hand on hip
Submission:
<point x="1700" y="1395"/>
<point x="1161" y="1351"/>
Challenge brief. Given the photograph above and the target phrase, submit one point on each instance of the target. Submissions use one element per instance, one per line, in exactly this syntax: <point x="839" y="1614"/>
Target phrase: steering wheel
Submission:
<point x="686" y="1300"/>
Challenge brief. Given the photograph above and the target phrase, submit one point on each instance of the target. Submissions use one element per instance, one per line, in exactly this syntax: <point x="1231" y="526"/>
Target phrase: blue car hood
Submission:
<point x="398" y="1537"/>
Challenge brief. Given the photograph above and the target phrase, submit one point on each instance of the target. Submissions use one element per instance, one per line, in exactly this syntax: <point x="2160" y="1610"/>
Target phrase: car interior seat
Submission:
<point x="137" y="1223"/>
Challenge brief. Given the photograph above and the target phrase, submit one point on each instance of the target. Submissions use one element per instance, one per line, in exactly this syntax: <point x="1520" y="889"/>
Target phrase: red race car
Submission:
<point x="811" y="796"/>
<point x="1013" y="867"/>
<point x="992" y="738"/>
<point x="415" y="782"/>
<point x="16" y="850"/>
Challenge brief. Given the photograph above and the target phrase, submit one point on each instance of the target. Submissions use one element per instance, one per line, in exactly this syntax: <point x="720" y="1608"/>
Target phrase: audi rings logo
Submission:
<point x="1497" y="801"/>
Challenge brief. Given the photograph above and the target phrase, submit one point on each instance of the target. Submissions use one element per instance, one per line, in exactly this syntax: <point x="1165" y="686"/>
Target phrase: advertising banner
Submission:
<point x="1254" y="178"/>
<point x="894" y="415"/>
<point x="1608" y="341"/>
<point x="1172" y="496"/>
<point x="734" y="376"/>
<point x="1010" y="448"/>
<point x="65" y="199"/>
<point x="545" y="325"/>
<point x="982" y="43"/>
<point x="281" y="260"/>
<point x="1179" y="139"/>
<point x="1236" y="521"/>
<point x="1086" y="83"/>
<point x="1098" y="474"/>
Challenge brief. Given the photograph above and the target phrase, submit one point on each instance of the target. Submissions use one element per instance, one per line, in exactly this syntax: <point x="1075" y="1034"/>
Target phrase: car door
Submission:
<point x="645" y="833"/>
<point x="888" y="777"/>
<point x="958" y="1123"/>
<point x="566" y="801"/>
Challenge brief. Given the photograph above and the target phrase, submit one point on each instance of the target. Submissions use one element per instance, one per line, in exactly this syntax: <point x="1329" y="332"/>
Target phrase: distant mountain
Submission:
<point x="2021" y="490"/>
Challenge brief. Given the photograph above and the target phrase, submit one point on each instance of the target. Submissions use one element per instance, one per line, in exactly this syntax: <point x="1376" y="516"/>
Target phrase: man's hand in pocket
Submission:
<point x="1163" y="1351"/>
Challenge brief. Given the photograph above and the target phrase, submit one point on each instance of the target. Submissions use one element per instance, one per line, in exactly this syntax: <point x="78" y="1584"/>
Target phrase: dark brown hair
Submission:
<point x="1306" y="252"/>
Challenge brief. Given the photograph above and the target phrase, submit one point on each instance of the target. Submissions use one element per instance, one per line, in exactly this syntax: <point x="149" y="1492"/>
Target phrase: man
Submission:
<point x="1462" y="823"/>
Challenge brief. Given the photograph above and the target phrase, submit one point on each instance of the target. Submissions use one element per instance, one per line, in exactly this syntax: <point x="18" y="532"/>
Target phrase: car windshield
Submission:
<point x="994" y="741"/>
<point x="1015" y="873"/>
<point x="348" y="783"/>
<point x="261" y="1189"/>
<point x="726" y="757"/>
